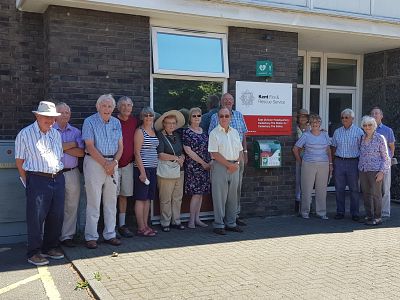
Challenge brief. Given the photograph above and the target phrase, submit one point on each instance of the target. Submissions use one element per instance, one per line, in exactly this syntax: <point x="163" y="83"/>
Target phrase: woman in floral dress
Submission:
<point x="197" y="166"/>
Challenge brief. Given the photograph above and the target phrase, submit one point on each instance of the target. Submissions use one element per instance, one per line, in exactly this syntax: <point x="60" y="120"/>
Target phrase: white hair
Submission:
<point x="368" y="120"/>
<point x="348" y="112"/>
<point x="103" y="98"/>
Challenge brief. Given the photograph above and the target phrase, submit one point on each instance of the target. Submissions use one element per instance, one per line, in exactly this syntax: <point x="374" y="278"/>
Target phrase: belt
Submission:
<point x="233" y="161"/>
<point x="67" y="169"/>
<point x="345" y="158"/>
<point x="48" y="175"/>
<point x="105" y="156"/>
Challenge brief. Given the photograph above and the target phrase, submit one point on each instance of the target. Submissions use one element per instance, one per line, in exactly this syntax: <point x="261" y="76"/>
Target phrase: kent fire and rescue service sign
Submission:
<point x="266" y="107"/>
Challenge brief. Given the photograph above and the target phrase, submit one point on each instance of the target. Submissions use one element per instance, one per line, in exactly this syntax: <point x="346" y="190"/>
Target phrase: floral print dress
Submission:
<point x="197" y="180"/>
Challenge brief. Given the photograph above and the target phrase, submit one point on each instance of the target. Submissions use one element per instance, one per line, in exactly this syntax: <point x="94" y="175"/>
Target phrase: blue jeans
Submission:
<point x="44" y="205"/>
<point x="346" y="173"/>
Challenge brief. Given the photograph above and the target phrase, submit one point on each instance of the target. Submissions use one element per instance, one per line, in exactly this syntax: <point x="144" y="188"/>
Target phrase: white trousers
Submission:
<point x="99" y="187"/>
<point x="72" y="196"/>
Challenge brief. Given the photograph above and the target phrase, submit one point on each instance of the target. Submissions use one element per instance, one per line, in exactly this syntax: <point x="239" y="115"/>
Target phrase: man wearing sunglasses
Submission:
<point x="237" y="122"/>
<point x="226" y="149"/>
<point x="345" y="150"/>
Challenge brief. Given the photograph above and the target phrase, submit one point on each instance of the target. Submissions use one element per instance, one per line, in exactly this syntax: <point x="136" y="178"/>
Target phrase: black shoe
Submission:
<point x="219" y="231"/>
<point x="296" y="206"/>
<point x="125" y="232"/>
<point x="178" y="226"/>
<point x="68" y="243"/>
<point x="240" y="222"/>
<point x="234" y="229"/>
<point x="355" y="218"/>
<point x="339" y="216"/>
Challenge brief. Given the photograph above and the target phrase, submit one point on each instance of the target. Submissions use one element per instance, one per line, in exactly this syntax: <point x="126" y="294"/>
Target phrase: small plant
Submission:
<point x="97" y="276"/>
<point x="81" y="285"/>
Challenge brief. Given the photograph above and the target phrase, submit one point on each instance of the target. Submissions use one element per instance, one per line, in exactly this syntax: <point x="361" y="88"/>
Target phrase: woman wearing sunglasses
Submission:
<point x="373" y="164"/>
<point x="197" y="178"/>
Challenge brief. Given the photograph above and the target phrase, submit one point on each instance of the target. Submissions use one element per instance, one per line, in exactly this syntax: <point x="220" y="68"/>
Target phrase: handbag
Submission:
<point x="168" y="169"/>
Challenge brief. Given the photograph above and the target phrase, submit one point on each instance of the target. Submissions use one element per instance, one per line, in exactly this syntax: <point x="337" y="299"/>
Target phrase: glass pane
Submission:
<point x="337" y="103"/>
<point x="299" y="98"/>
<point x="314" y="101"/>
<point x="176" y="94"/>
<point x="315" y="70"/>
<point x="342" y="72"/>
<point x="300" y="69"/>
<point x="189" y="53"/>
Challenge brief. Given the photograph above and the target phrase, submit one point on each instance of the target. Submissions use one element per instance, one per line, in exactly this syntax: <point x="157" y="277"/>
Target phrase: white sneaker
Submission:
<point x="324" y="217"/>
<point x="305" y="216"/>
<point x="38" y="260"/>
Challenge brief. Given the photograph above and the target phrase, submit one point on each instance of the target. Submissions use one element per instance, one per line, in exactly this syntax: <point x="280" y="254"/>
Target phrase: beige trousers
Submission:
<point x="170" y="193"/>
<point x="72" y="196"/>
<point x="318" y="173"/>
<point x="99" y="187"/>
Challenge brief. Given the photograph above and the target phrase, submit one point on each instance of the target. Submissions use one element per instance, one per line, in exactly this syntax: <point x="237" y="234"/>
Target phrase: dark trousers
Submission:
<point x="372" y="194"/>
<point x="346" y="173"/>
<point x="44" y="212"/>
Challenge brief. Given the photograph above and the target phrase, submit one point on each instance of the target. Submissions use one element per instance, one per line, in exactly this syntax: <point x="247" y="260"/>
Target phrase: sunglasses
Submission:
<point x="367" y="125"/>
<point x="148" y="115"/>
<point x="224" y="116"/>
<point x="347" y="117"/>
<point x="196" y="116"/>
<point x="170" y="123"/>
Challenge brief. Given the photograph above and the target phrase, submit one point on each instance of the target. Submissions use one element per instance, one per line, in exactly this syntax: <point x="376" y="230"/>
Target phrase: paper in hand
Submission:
<point x="22" y="181"/>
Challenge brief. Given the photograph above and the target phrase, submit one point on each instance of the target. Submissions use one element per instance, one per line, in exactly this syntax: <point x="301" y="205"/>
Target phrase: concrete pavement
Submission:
<point x="275" y="258"/>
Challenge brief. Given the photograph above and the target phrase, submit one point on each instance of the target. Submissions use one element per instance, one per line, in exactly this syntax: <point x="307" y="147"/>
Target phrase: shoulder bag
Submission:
<point x="166" y="168"/>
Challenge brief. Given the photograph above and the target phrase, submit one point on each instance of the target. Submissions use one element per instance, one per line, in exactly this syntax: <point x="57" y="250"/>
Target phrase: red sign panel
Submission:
<point x="269" y="125"/>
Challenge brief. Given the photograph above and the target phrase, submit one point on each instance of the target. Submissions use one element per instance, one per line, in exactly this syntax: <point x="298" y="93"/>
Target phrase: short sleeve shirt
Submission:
<point x="315" y="147"/>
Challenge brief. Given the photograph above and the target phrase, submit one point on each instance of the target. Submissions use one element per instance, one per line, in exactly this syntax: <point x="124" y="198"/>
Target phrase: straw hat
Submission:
<point x="46" y="108"/>
<point x="158" y="125"/>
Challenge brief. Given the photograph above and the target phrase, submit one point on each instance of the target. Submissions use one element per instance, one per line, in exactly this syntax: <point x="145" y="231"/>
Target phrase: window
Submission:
<point x="179" y="52"/>
<point x="176" y="94"/>
<point x="342" y="72"/>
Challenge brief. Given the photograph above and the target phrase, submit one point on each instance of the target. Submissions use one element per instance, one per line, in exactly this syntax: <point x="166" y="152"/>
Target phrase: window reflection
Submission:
<point x="190" y="53"/>
<point x="315" y="70"/>
<point x="342" y="72"/>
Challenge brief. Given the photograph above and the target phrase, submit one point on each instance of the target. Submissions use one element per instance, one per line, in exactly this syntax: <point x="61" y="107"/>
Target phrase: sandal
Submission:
<point x="165" y="229"/>
<point x="178" y="226"/>
<point x="145" y="233"/>
<point x="151" y="229"/>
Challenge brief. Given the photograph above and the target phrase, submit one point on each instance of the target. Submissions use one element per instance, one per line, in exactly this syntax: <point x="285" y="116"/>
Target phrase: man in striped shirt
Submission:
<point x="38" y="153"/>
<point x="345" y="148"/>
<point x="103" y="139"/>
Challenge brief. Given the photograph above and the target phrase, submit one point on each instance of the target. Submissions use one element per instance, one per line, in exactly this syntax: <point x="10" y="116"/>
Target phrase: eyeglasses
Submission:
<point x="346" y="117"/>
<point x="224" y="116"/>
<point x="367" y="125"/>
<point x="148" y="115"/>
<point x="170" y="123"/>
<point x="196" y="116"/>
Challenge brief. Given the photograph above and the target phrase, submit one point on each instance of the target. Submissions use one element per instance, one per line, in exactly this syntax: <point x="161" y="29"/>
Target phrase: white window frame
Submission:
<point x="323" y="87"/>
<point x="158" y="70"/>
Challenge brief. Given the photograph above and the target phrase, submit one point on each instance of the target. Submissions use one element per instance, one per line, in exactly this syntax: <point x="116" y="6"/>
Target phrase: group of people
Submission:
<point x="125" y="157"/>
<point x="354" y="157"/>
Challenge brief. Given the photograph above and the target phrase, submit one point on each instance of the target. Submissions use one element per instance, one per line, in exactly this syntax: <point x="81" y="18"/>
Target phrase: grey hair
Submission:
<point x="124" y="99"/>
<point x="314" y="117"/>
<point x="146" y="110"/>
<point x="191" y="111"/>
<point x="347" y="112"/>
<point x="104" y="98"/>
<point x="63" y="104"/>
<point x="368" y="120"/>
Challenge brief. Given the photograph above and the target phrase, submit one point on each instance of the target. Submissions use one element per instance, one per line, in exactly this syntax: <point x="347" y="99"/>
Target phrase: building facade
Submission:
<point x="335" y="54"/>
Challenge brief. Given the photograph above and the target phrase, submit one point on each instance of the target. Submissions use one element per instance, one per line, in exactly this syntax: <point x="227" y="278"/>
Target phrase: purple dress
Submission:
<point x="197" y="180"/>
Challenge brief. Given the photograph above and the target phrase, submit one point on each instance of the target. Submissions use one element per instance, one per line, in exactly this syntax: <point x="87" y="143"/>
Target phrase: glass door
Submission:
<point x="338" y="100"/>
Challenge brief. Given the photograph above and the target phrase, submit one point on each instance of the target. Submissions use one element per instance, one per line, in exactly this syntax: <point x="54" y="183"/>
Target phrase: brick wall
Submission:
<point x="21" y="67"/>
<point x="271" y="191"/>
<point x="90" y="52"/>
<point x="382" y="87"/>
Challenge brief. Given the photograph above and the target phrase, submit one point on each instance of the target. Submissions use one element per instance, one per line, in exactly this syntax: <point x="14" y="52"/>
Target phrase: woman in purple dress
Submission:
<point x="197" y="166"/>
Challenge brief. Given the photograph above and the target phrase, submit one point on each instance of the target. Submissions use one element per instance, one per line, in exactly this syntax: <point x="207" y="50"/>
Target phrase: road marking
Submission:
<point x="48" y="282"/>
<point x="19" y="283"/>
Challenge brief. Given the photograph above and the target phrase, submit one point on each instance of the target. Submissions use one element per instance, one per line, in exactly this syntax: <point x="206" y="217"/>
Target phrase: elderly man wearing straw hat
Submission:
<point x="170" y="150"/>
<point x="38" y="152"/>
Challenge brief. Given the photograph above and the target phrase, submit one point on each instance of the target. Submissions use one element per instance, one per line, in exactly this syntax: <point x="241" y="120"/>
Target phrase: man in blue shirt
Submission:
<point x="212" y="106"/>
<point x="237" y="122"/>
<point x="387" y="132"/>
<point x="345" y="148"/>
<point x="102" y="134"/>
